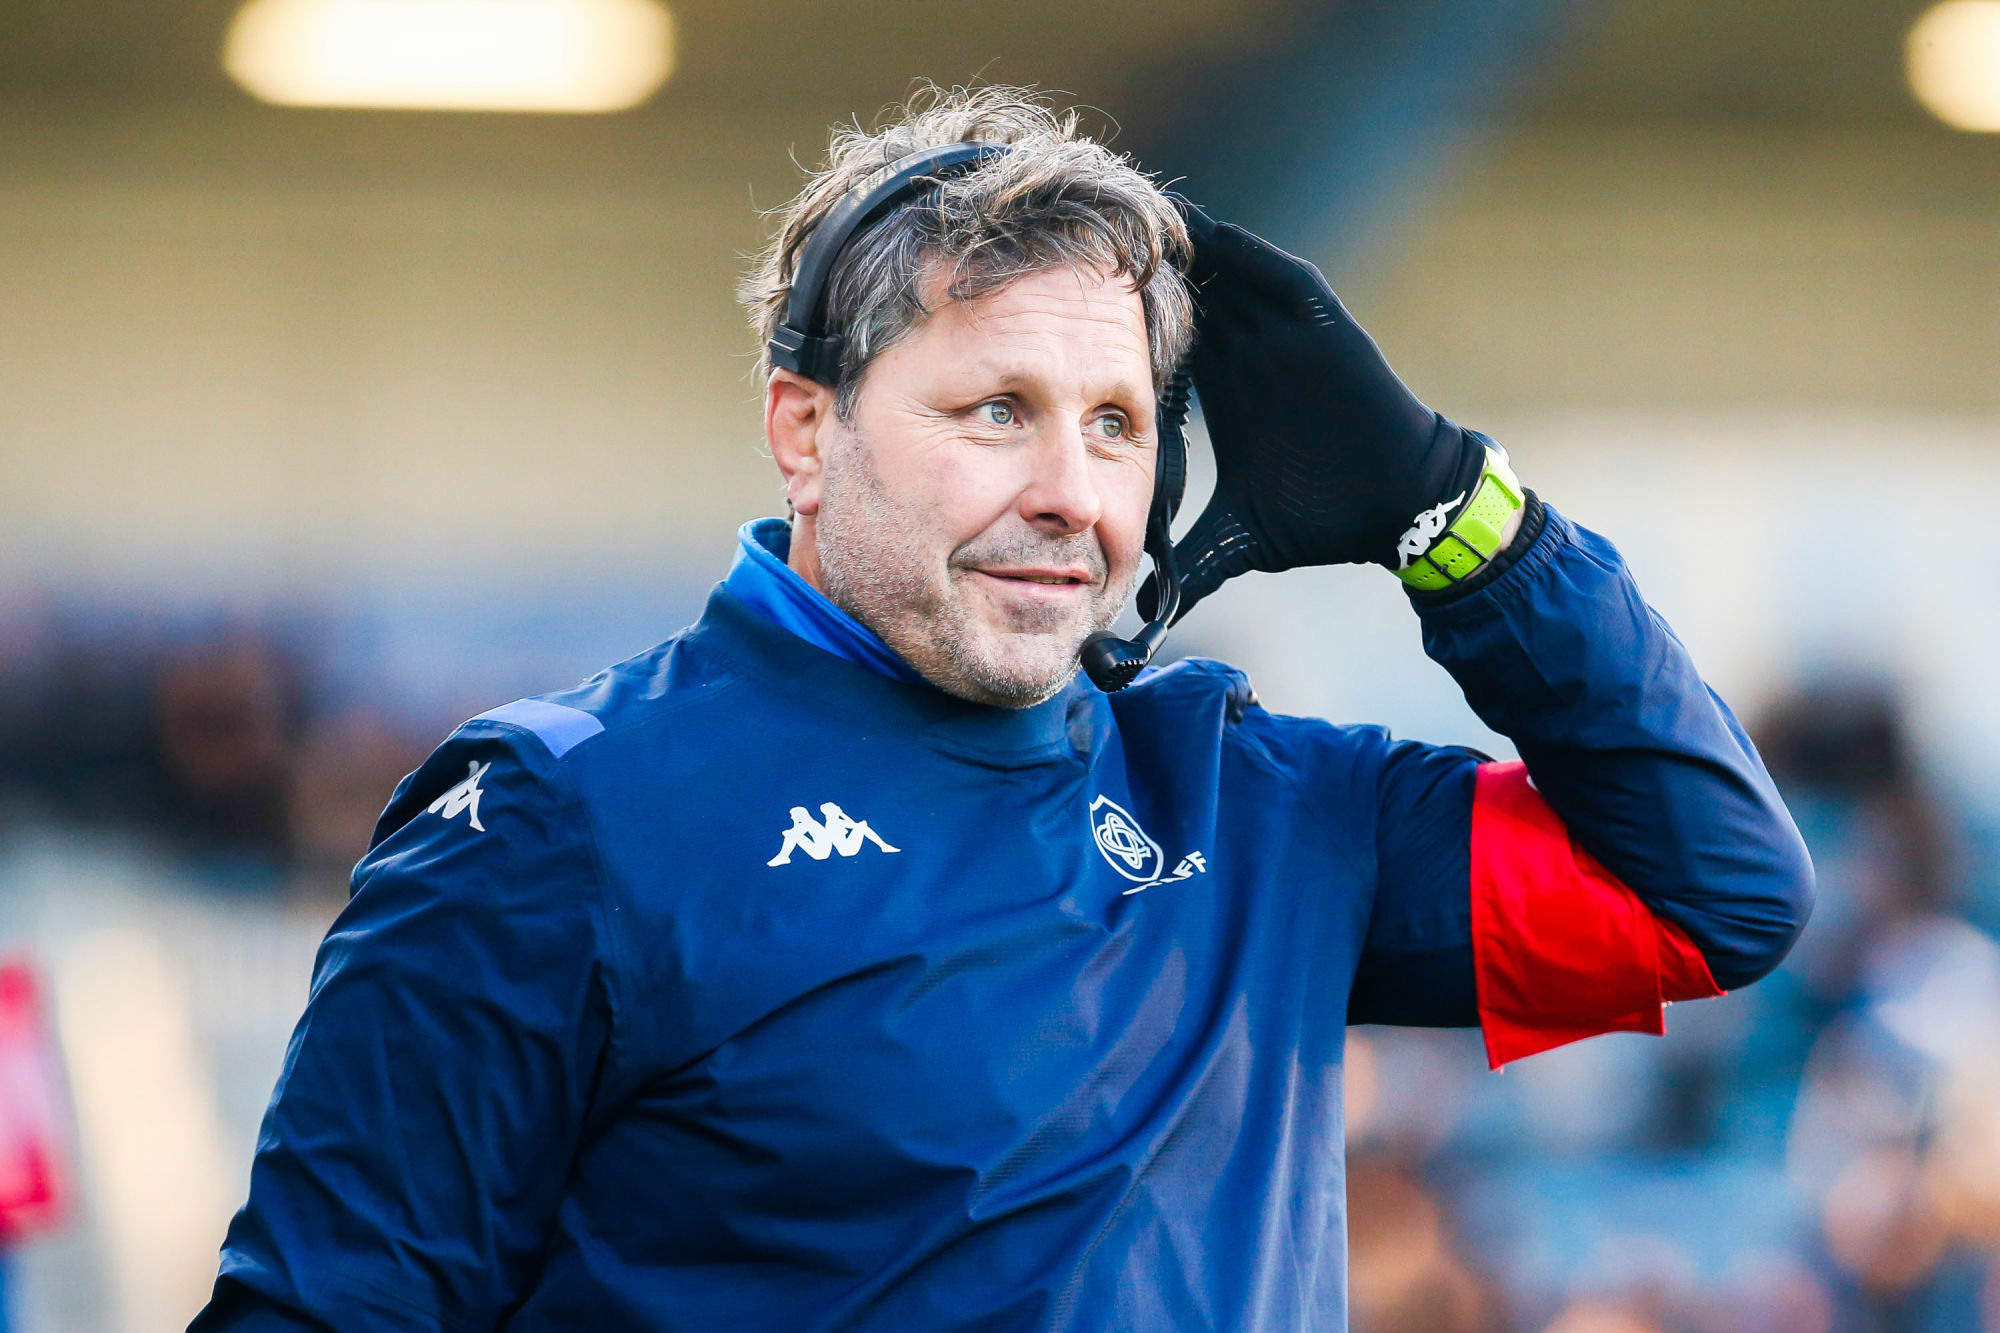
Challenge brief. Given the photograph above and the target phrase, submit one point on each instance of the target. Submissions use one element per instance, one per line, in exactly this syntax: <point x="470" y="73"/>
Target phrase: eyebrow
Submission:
<point x="1008" y="376"/>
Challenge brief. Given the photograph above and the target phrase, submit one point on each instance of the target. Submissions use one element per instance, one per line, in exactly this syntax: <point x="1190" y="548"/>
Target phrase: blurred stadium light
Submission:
<point x="452" y="55"/>
<point x="1955" y="63"/>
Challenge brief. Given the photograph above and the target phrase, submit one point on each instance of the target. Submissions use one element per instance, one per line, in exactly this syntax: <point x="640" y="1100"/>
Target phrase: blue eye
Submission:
<point x="998" y="412"/>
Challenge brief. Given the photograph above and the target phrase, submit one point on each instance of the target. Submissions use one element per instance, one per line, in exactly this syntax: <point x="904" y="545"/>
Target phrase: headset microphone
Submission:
<point x="803" y="344"/>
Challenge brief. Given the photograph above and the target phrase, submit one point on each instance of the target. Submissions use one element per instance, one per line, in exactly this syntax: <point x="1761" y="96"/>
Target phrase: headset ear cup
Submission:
<point x="801" y="342"/>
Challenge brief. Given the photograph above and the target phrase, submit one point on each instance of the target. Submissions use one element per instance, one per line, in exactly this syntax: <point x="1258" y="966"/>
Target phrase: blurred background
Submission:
<point x="324" y="426"/>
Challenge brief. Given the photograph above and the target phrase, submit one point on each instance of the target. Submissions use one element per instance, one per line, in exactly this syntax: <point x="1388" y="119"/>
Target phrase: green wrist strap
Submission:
<point x="1474" y="536"/>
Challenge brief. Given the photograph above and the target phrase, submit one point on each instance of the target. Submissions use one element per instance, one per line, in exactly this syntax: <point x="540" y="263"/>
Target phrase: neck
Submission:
<point x="803" y="558"/>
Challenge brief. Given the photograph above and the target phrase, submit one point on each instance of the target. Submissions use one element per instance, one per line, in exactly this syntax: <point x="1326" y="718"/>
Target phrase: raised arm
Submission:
<point x="1643" y="854"/>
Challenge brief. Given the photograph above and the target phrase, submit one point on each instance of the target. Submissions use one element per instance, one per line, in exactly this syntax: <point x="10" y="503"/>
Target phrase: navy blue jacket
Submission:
<point x="746" y="987"/>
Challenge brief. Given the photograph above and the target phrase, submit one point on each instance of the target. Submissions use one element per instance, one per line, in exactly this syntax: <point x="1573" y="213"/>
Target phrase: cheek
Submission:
<point x="922" y="485"/>
<point x="1127" y="497"/>
<point x="945" y="493"/>
<point x="973" y="489"/>
<point x="965" y="489"/>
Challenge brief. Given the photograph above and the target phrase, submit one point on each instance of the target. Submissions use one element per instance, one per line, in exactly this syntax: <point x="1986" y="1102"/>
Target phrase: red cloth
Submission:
<point x="1561" y="950"/>
<point x="34" y="1184"/>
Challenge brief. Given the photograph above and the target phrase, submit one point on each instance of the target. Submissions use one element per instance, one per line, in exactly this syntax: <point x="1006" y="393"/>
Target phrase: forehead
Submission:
<point x="1062" y="324"/>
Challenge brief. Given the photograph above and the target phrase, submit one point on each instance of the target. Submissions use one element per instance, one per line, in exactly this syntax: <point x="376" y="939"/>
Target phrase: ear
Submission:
<point x="796" y="410"/>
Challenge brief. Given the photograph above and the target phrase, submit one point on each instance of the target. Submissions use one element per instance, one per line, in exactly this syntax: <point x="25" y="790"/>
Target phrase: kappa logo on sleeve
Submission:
<point x="1131" y="851"/>
<point x="465" y="796"/>
<point x="820" y="838"/>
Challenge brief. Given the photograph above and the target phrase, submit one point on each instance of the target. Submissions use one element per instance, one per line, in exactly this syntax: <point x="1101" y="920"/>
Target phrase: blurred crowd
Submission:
<point x="214" y="740"/>
<point x="256" y="746"/>
<point x="1820" y="1154"/>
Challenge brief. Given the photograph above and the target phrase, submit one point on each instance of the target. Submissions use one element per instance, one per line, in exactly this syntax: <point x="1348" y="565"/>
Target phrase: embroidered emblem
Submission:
<point x="1129" y="849"/>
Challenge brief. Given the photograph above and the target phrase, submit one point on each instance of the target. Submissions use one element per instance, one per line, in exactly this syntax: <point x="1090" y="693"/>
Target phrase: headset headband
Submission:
<point x="801" y="342"/>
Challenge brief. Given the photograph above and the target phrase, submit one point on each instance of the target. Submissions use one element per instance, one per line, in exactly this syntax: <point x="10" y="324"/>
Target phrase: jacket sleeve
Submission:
<point x="1642" y="856"/>
<point x="435" y="1090"/>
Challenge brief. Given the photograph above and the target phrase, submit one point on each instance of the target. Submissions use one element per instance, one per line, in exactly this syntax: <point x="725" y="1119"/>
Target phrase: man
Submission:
<point x="849" y="961"/>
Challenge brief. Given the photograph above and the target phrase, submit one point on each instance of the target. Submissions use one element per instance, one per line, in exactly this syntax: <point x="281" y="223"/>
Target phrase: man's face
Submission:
<point x="984" y="509"/>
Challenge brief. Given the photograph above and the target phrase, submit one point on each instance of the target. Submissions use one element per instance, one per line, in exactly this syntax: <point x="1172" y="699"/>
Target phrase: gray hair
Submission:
<point x="1058" y="199"/>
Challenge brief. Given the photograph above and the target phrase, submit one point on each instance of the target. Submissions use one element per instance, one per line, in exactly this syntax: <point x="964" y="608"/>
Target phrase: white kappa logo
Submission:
<point x="1422" y="533"/>
<point x="465" y="796"/>
<point x="1131" y="851"/>
<point x="820" y="838"/>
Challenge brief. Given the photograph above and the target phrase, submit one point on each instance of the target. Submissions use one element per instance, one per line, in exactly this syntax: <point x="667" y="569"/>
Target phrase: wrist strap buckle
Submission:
<point x="1473" y="537"/>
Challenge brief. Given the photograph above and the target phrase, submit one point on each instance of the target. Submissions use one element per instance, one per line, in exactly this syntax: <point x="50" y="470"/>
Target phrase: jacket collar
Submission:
<point x="762" y="580"/>
<point x="822" y="676"/>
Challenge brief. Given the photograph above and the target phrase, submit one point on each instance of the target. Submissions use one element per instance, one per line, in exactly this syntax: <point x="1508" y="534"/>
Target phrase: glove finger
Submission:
<point x="1201" y="270"/>
<point x="1216" y="549"/>
<point x="1265" y="269"/>
<point x="1200" y="226"/>
<point x="1235" y="271"/>
<point x="1241" y="259"/>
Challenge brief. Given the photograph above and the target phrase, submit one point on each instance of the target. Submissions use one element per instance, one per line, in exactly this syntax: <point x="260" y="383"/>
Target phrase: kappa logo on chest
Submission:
<point x="834" y="831"/>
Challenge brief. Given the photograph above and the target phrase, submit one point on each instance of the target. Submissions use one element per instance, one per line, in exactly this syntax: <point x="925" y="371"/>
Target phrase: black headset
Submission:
<point x="802" y="344"/>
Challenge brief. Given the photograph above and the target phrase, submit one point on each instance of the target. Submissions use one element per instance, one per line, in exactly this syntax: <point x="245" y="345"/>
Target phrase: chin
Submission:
<point x="1011" y="675"/>
<point x="1003" y="655"/>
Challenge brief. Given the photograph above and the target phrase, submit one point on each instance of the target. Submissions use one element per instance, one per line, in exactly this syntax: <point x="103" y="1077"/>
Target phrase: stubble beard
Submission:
<point x="876" y="567"/>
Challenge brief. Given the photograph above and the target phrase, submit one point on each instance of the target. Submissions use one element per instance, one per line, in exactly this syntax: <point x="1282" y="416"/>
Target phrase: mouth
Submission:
<point x="1039" y="583"/>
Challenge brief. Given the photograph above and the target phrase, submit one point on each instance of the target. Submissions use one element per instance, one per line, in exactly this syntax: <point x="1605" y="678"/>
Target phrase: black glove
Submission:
<point x="1322" y="456"/>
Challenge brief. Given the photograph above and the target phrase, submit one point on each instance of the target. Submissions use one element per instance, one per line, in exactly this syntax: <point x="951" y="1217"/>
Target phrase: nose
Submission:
<point x="1061" y="496"/>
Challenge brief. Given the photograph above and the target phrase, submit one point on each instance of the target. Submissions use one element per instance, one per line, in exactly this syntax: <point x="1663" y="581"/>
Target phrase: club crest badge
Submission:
<point x="1131" y="852"/>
